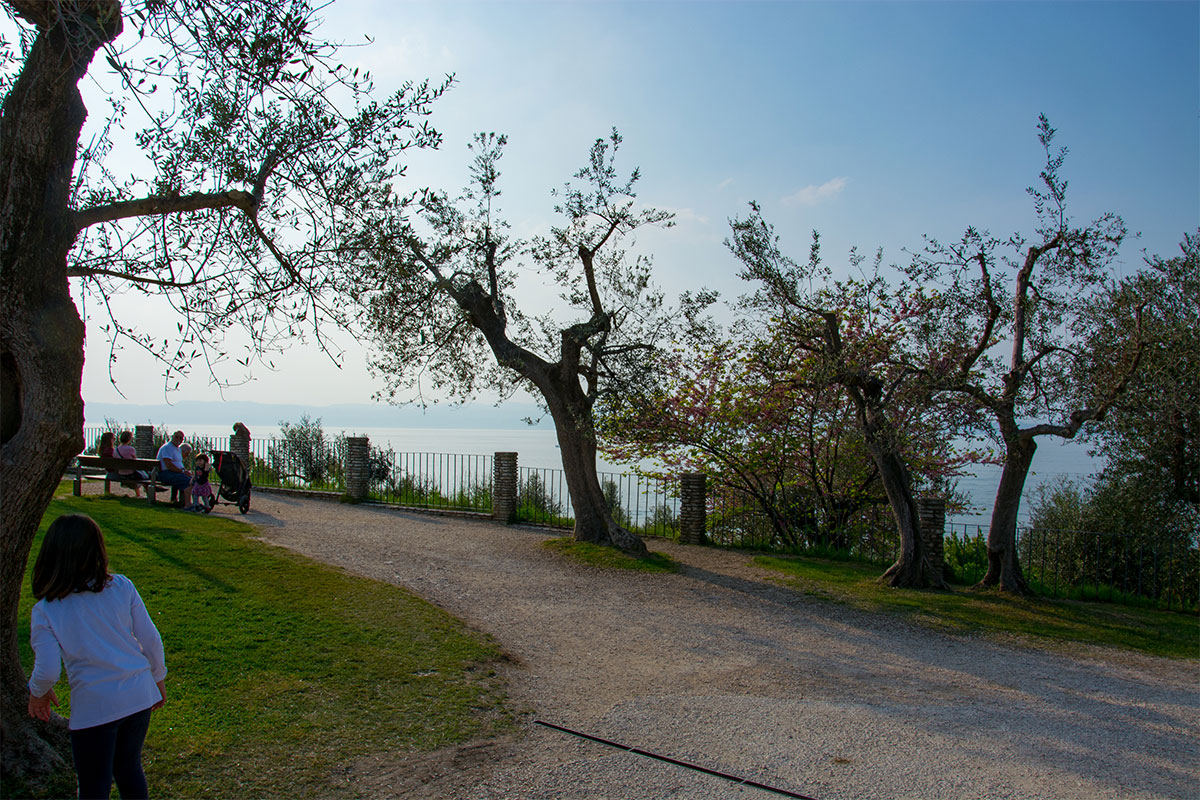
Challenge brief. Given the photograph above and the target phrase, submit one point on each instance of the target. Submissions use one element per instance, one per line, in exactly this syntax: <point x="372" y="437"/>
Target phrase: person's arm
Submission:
<point x="165" y="463"/>
<point x="39" y="707"/>
<point x="47" y="664"/>
<point x="148" y="637"/>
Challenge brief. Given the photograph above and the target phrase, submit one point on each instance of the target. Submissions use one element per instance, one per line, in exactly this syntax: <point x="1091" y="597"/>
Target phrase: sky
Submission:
<point x="873" y="123"/>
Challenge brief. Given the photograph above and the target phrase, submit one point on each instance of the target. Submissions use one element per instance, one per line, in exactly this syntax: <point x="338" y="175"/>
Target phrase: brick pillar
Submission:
<point x="932" y="511"/>
<point x="692" y="502"/>
<point x="504" y="488"/>
<point x="239" y="444"/>
<point x="143" y="441"/>
<point x="358" y="466"/>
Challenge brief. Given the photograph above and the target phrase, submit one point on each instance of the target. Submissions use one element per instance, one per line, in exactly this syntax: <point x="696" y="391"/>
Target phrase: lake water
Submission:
<point x="537" y="447"/>
<point x="1052" y="462"/>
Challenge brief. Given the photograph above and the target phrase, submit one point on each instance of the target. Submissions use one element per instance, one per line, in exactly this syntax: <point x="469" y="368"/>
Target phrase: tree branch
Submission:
<point x="160" y="205"/>
<point x="87" y="272"/>
<point x="985" y="338"/>
<point x="589" y="272"/>
<point x="1019" y="297"/>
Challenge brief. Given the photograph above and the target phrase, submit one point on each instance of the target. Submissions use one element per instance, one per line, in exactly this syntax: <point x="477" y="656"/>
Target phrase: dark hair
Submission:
<point x="72" y="559"/>
<point x="202" y="455"/>
<point x="107" y="436"/>
<point x="126" y="436"/>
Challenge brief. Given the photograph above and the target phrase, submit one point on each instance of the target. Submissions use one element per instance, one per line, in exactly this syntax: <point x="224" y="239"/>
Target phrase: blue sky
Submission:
<point x="871" y="122"/>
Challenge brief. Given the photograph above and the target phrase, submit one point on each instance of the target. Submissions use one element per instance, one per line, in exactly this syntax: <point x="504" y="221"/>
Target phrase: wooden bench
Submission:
<point x="114" y="465"/>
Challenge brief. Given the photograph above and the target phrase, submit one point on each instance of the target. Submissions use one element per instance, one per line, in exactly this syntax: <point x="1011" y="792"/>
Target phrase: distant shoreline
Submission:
<point x="509" y="416"/>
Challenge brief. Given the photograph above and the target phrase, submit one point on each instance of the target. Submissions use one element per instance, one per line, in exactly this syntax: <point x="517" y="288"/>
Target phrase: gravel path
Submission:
<point x="721" y="667"/>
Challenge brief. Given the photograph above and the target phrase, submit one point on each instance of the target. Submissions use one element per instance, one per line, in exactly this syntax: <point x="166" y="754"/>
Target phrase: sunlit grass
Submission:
<point x="282" y="670"/>
<point x="964" y="610"/>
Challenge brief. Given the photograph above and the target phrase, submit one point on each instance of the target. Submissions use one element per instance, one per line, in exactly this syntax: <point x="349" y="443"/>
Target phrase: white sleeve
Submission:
<point x="147" y="636"/>
<point x="47" y="655"/>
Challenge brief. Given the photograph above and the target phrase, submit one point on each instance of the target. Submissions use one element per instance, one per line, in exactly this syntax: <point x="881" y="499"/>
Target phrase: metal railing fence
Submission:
<point x="432" y="480"/>
<point x="1126" y="567"/>
<point x="646" y="506"/>
<point x="791" y="523"/>
<point x="1132" y="568"/>
<point x="448" y="481"/>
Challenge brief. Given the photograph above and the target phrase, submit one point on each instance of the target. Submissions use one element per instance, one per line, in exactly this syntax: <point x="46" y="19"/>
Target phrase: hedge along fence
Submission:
<point x="1075" y="564"/>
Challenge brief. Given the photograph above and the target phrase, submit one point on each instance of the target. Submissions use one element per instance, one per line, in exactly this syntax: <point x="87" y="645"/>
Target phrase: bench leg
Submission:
<point x="107" y="484"/>
<point x="153" y="490"/>
<point x="78" y="481"/>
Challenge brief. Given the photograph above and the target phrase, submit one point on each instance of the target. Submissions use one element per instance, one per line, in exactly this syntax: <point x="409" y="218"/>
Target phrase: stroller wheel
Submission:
<point x="244" y="503"/>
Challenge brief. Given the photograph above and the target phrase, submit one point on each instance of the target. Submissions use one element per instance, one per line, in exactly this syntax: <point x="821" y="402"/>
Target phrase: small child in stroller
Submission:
<point x="202" y="493"/>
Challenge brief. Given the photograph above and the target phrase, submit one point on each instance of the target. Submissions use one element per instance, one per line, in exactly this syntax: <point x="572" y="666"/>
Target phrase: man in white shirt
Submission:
<point x="171" y="470"/>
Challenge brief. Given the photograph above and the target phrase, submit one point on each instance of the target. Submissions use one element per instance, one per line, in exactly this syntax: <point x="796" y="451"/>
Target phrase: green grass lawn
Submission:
<point x="282" y="671"/>
<point x="610" y="558"/>
<point x="963" y="610"/>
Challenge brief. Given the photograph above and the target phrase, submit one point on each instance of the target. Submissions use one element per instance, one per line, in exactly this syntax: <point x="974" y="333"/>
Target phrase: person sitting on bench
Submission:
<point x="171" y="470"/>
<point x="125" y="450"/>
<point x="106" y="451"/>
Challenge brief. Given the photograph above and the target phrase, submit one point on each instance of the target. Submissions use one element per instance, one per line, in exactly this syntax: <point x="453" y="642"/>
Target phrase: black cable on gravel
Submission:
<point x="674" y="761"/>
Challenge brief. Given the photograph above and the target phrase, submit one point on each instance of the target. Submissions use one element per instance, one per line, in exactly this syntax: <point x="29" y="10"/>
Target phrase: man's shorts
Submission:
<point x="180" y="480"/>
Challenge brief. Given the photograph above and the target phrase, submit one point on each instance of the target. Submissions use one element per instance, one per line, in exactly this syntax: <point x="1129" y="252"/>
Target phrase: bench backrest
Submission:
<point x="118" y="464"/>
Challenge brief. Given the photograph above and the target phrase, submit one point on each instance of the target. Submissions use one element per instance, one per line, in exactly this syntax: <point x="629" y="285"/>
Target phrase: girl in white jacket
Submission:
<point x="97" y="625"/>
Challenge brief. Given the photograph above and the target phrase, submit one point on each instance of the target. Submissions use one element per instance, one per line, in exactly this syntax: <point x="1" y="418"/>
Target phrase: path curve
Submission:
<point x="721" y="667"/>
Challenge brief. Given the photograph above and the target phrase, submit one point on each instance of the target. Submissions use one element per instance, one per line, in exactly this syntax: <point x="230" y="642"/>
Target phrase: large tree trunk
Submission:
<point x="1004" y="568"/>
<point x="576" y="435"/>
<point x="912" y="569"/>
<point x="41" y="343"/>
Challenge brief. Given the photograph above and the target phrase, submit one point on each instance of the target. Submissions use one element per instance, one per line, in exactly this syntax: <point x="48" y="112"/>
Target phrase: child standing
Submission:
<point x="202" y="493"/>
<point x="97" y="624"/>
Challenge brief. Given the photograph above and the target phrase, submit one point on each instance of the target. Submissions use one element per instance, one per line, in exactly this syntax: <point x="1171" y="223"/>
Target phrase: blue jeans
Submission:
<point x="112" y="751"/>
<point x="180" y="480"/>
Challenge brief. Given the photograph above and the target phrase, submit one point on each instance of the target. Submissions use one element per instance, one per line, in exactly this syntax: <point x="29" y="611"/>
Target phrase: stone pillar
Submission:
<point x="692" y="505"/>
<point x="239" y="444"/>
<point x="143" y="441"/>
<point x="932" y="511"/>
<point x="358" y="467"/>
<point x="504" y="488"/>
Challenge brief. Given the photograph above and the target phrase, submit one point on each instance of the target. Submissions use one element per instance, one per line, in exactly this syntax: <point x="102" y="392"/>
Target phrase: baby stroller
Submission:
<point x="235" y="478"/>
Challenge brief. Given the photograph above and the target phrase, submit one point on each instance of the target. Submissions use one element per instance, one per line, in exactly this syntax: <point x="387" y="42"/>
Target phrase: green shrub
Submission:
<point x="302" y="452"/>
<point x="966" y="557"/>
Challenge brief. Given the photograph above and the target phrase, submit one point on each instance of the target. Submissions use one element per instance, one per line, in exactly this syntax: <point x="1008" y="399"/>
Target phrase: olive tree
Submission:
<point x="259" y="157"/>
<point x="1009" y="330"/>
<point x="442" y="308"/>
<point x="849" y="334"/>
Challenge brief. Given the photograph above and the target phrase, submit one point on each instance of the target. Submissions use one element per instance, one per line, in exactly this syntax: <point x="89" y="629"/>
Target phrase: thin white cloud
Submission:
<point x="724" y="183"/>
<point x="812" y="194"/>
<point x="686" y="216"/>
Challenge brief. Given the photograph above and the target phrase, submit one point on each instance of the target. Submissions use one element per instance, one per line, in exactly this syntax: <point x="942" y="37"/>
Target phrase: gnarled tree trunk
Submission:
<point x="1004" y="567"/>
<point x="570" y="408"/>
<point x="912" y="569"/>
<point x="571" y="411"/>
<point x="41" y="335"/>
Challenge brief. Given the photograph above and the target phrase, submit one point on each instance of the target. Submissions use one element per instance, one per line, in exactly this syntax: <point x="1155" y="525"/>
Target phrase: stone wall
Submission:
<point x="932" y="512"/>
<point x="239" y="443"/>
<point x="692" y="507"/>
<point x="358" y="467"/>
<point x="504" y="487"/>
<point x="143" y="441"/>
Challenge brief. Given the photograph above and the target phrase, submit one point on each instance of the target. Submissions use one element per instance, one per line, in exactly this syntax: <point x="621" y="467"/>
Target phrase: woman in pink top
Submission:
<point x="125" y="450"/>
<point x="97" y="624"/>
